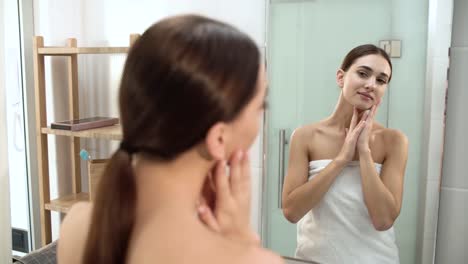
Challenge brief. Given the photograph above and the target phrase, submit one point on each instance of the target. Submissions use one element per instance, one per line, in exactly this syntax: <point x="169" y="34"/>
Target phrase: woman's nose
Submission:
<point x="371" y="84"/>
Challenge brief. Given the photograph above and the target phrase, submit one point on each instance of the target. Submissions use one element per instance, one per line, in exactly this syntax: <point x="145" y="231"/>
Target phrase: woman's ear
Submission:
<point x="215" y="141"/>
<point x="340" y="78"/>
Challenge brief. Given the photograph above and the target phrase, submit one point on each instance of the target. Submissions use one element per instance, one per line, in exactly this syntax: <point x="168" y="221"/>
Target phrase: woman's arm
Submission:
<point x="383" y="193"/>
<point x="299" y="195"/>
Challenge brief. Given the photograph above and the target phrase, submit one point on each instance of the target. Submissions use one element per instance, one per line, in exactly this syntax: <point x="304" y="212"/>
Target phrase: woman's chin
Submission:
<point x="363" y="107"/>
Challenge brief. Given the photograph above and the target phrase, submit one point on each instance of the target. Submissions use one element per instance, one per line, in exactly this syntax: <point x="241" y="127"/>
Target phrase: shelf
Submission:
<point x="74" y="174"/>
<point x="88" y="50"/>
<point x="109" y="132"/>
<point x="64" y="204"/>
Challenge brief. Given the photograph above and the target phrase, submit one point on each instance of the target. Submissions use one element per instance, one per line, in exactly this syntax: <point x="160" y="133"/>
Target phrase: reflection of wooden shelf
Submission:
<point x="64" y="204"/>
<point x="109" y="132"/>
<point x="75" y="50"/>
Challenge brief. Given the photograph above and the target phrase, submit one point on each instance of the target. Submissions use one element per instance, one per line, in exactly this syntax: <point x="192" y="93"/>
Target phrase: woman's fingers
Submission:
<point x="246" y="173"/>
<point x="368" y="116"/>
<point x="230" y="215"/>
<point x="246" y="168"/>
<point x="354" y="119"/>
<point x="235" y="171"/>
<point x="374" y="110"/>
<point x="357" y="131"/>
<point x="365" y="115"/>
<point x="240" y="179"/>
<point x="207" y="217"/>
<point x="362" y="120"/>
<point x="223" y="191"/>
<point x="208" y="192"/>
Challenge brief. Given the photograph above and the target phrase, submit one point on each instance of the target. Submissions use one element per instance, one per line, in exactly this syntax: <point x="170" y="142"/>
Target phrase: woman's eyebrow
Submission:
<point x="370" y="69"/>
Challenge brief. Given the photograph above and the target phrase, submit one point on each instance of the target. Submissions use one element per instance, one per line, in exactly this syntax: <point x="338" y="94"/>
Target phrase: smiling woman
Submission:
<point x="344" y="181"/>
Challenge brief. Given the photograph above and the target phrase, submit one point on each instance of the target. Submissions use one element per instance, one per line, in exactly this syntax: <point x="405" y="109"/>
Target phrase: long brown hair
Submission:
<point x="364" y="50"/>
<point x="181" y="76"/>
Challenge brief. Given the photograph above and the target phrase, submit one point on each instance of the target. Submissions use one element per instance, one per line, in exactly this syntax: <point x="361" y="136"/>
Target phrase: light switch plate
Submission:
<point x="392" y="47"/>
<point x="395" y="48"/>
<point x="385" y="45"/>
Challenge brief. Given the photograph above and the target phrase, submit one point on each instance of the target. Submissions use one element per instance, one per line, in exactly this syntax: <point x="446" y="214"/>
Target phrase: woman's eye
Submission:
<point x="382" y="81"/>
<point x="362" y="74"/>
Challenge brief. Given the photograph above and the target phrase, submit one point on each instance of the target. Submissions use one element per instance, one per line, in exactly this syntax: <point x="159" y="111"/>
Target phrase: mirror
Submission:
<point x="307" y="42"/>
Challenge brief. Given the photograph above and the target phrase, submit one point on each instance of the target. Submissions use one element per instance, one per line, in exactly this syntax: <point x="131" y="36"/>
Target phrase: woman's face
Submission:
<point x="244" y="129"/>
<point x="365" y="82"/>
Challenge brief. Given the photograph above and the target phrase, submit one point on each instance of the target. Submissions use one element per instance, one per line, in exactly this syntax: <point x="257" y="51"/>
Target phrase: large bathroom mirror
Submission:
<point x="307" y="42"/>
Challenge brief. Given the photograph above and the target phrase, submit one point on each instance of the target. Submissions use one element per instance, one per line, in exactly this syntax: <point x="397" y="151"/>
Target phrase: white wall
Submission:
<point x="5" y="231"/>
<point x="109" y="22"/>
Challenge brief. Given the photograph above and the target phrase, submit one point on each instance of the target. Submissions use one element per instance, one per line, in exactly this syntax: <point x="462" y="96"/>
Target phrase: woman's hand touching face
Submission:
<point x="364" y="137"/>
<point x="226" y="208"/>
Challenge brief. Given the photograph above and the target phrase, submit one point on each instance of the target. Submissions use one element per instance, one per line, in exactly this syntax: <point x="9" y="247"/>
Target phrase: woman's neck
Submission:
<point x="342" y="115"/>
<point x="170" y="187"/>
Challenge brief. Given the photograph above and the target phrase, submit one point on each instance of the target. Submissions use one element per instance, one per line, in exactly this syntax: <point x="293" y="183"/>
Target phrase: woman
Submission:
<point x="191" y="97"/>
<point x="345" y="174"/>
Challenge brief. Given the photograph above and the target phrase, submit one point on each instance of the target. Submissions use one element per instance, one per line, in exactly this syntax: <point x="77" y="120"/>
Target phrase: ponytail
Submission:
<point x="113" y="213"/>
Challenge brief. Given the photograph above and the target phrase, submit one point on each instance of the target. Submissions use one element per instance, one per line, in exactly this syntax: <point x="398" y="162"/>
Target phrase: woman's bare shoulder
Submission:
<point x="73" y="233"/>
<point x="218" y="254"/>
<point x="307" y="131"/>
<point x="391" y="135"/>
<point x="396" y="139"/>
<point x="158" y="244"/>
<point x="251" y="254"/>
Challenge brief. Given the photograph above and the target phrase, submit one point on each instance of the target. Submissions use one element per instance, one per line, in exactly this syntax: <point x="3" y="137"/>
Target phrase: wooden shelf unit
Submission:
<point x="71" y="52"/>
<point x="110" y="132"/>
<point x="61" y="51"/>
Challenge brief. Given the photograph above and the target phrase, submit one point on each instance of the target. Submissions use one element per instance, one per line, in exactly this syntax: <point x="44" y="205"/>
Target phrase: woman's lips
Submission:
<point x="365" y="96"/>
